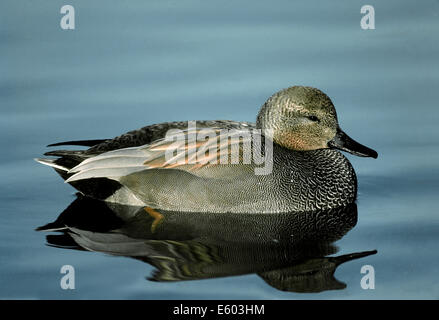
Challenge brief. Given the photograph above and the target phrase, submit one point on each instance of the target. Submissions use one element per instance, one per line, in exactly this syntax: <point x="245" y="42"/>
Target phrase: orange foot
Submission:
<point x="158" y="218"/>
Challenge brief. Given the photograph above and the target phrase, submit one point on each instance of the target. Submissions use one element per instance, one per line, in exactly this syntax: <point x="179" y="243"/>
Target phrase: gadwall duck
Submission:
<point x="207" y="166"/>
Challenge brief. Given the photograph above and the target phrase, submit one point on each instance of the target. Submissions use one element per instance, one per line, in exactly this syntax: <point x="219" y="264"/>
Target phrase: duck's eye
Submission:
<point x="313" y="118"/>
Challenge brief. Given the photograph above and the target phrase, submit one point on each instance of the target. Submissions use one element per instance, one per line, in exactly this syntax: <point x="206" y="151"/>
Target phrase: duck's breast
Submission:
<point x="318" y="179"/>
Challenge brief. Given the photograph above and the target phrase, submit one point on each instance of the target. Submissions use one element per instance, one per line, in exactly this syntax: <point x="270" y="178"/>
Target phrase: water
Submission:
<point x="126" y="66"/>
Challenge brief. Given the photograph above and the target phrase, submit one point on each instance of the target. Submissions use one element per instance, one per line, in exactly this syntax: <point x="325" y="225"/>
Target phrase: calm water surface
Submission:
<point x="126" y="66"/>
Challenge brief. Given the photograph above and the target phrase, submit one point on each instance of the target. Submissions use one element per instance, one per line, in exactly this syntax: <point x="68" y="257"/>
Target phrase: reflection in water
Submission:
<point x="288" y="250"/>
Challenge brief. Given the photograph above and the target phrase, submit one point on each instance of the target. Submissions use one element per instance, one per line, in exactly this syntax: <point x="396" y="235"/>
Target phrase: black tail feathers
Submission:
<point x="85" y="143"/>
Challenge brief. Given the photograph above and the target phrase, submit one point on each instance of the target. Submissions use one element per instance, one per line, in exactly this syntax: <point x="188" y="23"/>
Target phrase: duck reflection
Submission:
<point x="287" y="250"/>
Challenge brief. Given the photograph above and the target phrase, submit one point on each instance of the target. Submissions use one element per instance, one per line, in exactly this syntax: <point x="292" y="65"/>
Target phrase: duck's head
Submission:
<point x="304" y="118"/>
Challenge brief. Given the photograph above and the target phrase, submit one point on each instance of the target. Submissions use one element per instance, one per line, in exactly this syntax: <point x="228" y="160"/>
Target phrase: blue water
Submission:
<point x="130" y="64"/>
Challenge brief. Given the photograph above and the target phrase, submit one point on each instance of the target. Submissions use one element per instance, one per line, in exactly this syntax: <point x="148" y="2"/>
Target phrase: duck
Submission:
<point x="207" y="166"/>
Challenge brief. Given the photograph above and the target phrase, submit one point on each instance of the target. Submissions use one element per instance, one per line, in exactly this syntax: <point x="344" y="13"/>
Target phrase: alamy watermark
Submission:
<point x="204" y="146"/>
<point x="368" y="280"/>
<point x="68" y="280"/>
<point x="367" y="22"/>
<point x="68" y="20"/>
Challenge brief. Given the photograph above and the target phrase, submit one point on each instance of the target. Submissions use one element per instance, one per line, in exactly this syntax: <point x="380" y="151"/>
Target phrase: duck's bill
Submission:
<point x="343" y="142"/>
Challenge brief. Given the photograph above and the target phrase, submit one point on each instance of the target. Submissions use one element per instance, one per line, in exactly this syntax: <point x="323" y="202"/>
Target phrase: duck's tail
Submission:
<point x="97" y="188"/>
<point x="68" y="159"/>
<point x="52" y="163"/>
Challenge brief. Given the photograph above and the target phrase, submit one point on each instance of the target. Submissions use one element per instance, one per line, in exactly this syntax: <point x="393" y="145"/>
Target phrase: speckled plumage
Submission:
<point x="301" y="180"/>
<point x="308" y="174"/>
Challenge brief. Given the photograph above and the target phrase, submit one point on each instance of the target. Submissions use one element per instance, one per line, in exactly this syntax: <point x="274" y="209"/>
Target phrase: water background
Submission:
<point x="133" y="63"/>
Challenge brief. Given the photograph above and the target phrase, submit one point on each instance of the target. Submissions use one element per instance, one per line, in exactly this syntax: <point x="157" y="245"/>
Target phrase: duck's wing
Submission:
<point x="67" y="159"/>
<point x="155" y="132"/>
<point x="189" y="150"/>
